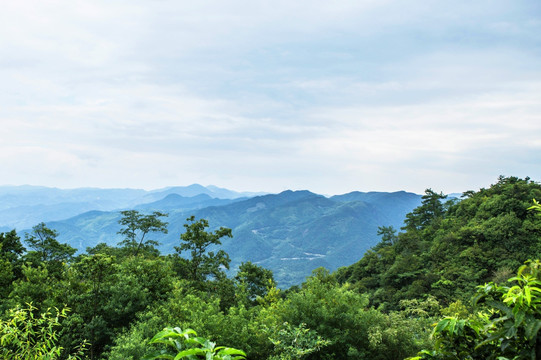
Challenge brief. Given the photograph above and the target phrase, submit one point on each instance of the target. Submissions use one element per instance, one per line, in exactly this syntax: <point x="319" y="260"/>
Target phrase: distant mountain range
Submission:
<point x="290" y="233"/>
<point x="24" y="206"/>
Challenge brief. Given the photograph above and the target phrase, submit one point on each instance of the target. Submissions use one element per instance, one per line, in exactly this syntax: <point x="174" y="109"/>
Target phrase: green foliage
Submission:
<point x="36" y="286"/>
<point x="185" y="344"/>
<point x="447" y="248"/>
<point x="379" y="308"/>
<point x="536" y="206"/>
<point x="202" y="262"/>
<point x="11" y="247"/>
<point x="506" y="325"/>
<point x="91" y="280"/>
<point x="431" y="208"/>
<point x="254" y="281"/>
<point x="296" y="342"/>
<point x="342" y="317"/>
<point x="30" y="336"/>
<point x="46" y="249"/>
<point x="11" y="250"/>
<point x="137" y="226"/>
<point x="107" y="294"/>
<point x="388" y="236"/>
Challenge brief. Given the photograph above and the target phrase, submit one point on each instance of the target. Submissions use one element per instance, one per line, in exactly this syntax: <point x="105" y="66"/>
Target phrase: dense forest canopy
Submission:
<point x="109" y="302"/>
<point x="447" y="248"/>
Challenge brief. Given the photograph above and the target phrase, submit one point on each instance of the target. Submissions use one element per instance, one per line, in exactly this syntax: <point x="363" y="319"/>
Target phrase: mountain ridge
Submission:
<point x="291" y="232"/>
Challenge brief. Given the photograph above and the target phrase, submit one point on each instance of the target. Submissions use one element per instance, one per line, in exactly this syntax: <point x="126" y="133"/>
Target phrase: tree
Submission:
<point x="92" y="275"/>
<point x="137" y="226"/>
<point x="11" y="247"/>
<point x="296" y="342"/>
<point x="470" y="242"/>
<point x="106" y="295"/>
<point x="388" y="236"/>
<point x="197" y="241"/>
<point x="342" y="317"/>
<point x="43" y="241"/>
<point x="431" y="208"/>
<point x="36" y="286"/>
<point x="47" y="249"/>
<point x="254" y="280"/>
<point x="11" y="250"/>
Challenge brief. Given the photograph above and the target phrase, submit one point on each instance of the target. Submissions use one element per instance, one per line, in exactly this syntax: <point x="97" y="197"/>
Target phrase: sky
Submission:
<point x="329" y="96"/>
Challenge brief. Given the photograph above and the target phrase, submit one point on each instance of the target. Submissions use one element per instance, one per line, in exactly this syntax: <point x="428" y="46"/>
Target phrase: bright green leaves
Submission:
<point x="29" y="336"/>
<point x="185" y="344"/>
<point x="525" y="295"/>
<point x="505" y="327"/>
<point x="536" y="206"/>
<point x="446" y="249"/>
<point x="296" y="342"/>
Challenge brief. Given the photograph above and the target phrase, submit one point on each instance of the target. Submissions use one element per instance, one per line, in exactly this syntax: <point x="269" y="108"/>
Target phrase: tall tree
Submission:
<point x="11" y="250"/>
<point x="47" y="249"/>
<point x="136" y="228"/>
<point x="430" y="209"/>
<point x="388" y="236"/>
<point x="254" y="280"/>
<point x="196" y="240"/>
<point x="11" y="247"/>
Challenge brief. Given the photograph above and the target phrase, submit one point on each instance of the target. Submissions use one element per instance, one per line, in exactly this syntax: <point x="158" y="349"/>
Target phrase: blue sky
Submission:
<point x="270" y="95"/>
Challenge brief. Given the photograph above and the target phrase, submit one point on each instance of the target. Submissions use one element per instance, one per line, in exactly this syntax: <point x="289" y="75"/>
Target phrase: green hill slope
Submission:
<point x="446" y="249"/>
<point x="290" y="233"/>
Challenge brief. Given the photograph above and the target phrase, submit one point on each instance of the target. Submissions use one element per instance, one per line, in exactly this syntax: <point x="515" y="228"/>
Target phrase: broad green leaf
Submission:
<point x="519" y="318"/>
<point x="189" y="352"/>
<point x="442" y="325"/>
<point x="231" y="351"/>
<point x="528" y="295"/>
<point x="532" y="328"/>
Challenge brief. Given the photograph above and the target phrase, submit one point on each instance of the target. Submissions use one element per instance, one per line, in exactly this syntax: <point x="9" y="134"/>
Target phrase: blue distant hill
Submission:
<point x="290" y="233"/>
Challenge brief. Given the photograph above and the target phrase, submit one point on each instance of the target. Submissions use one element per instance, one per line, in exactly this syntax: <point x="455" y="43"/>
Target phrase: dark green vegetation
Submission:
<point x="381" y="307"/>
<point x="291" y="233"/>
<point x="447" y="248"/>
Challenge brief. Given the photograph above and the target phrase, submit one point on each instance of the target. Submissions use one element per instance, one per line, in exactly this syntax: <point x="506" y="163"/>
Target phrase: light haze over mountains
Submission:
<point x="291" y="233"/>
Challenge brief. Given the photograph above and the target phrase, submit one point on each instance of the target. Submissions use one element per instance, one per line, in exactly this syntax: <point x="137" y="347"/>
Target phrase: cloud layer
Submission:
<point x="329" y="96"/>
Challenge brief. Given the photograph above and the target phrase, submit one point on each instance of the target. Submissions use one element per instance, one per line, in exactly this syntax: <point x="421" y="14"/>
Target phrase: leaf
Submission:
<point x="532" y="328"/>
<point x="165" y="333"/>
<point x="488" y="340"/>
<point x="231" y="351"/>
<point x="503" y="308"/>
<point x="188" y="352"/>
<point x="528" y="295"/>
<point x="442" y="325"/>
<point x="517" y="278"/>
<point x="519" y="318"/>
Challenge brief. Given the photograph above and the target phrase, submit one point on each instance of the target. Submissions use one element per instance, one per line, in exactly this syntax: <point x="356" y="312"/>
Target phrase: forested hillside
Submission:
<point x="290" y="233"/>
<point x="447" y="248"/>
<point x="113" y="299"/>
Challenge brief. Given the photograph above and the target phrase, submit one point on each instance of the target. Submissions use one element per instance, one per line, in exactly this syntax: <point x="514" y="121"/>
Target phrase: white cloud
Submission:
<point x="330" y="96"/>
